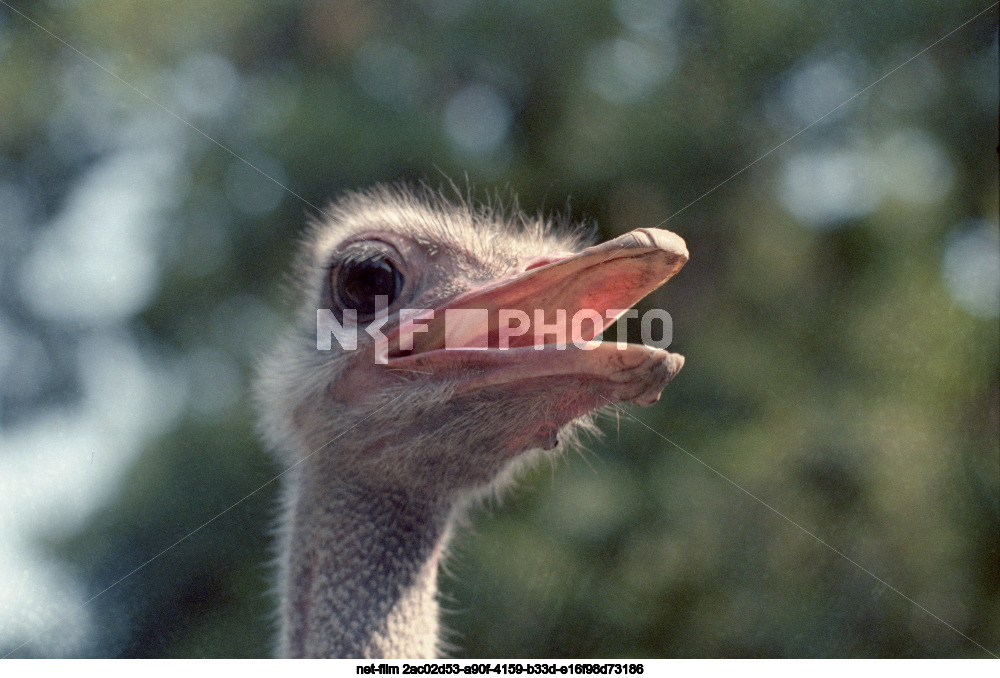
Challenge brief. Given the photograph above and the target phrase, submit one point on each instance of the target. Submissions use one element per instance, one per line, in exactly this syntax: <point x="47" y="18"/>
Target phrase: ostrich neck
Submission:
<point x="360" y="578"/>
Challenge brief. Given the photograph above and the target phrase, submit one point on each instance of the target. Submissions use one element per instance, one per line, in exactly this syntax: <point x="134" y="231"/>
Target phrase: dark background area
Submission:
<point x="821" y="480"/>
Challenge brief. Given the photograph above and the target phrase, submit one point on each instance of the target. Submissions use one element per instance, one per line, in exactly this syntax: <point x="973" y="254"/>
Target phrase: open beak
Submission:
<point x="543" y="321"/>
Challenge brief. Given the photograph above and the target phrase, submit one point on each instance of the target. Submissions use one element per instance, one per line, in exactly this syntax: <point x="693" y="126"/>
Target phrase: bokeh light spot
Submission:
<point x="477" y="119"/>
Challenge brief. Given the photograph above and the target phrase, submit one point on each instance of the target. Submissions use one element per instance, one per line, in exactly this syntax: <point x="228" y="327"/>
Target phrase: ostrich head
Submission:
<point x="478" y="372"/>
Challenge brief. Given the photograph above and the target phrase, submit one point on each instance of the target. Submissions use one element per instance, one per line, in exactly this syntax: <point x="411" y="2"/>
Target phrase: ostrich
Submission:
<point x="387" y="443"/>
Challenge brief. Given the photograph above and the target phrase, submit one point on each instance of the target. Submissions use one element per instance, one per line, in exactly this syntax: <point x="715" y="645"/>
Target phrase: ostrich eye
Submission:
<point x="356" y="284"/>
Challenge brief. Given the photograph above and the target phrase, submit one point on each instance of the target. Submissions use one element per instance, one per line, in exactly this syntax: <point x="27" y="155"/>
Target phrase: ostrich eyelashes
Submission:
<point x="357" y="281"/>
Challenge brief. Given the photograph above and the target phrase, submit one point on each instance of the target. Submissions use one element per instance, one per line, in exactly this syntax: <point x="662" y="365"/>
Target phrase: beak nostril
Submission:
<point x="538" y="262"/>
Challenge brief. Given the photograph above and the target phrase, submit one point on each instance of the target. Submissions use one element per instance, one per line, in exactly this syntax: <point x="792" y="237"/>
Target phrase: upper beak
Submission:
<point x="608" y="278"/>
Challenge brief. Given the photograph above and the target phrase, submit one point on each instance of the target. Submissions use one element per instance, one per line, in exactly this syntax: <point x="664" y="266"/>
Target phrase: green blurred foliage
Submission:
<point x="822" y="474"/>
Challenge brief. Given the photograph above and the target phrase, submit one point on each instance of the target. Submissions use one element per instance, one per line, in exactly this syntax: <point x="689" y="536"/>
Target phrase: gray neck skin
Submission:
<point x="361" y="573"/>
